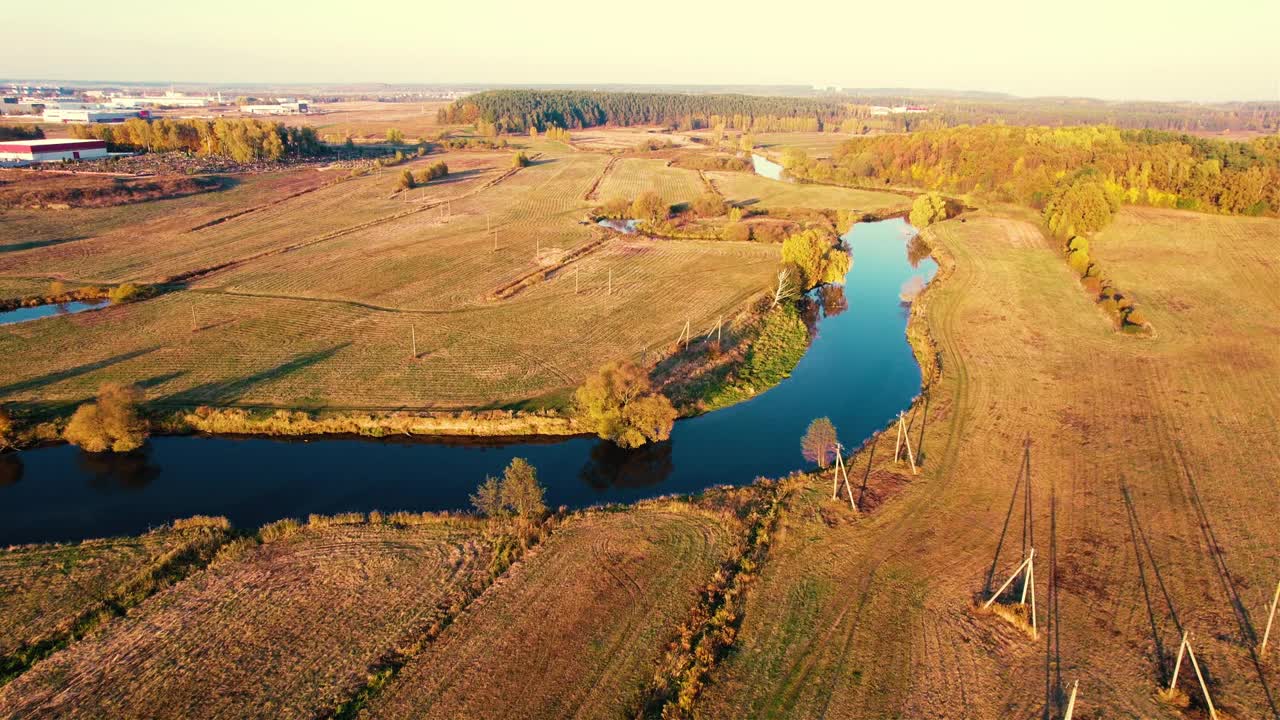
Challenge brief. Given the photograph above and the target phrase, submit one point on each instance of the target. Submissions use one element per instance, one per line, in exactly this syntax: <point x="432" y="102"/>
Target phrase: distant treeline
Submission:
<point x="20" y="132"/>
<point x="1061" y="112"/>
<point x="1026" y="164"/>
<point x="246" y="140"/>
<point x="516" y="111"/>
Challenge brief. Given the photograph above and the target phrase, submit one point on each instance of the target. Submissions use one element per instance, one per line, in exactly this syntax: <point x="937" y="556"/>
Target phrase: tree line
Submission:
<point x="1025" y="164"/>
<point x="242" y="140"/>
<point x="517" y="111"/>
<point x="21" y="132"/>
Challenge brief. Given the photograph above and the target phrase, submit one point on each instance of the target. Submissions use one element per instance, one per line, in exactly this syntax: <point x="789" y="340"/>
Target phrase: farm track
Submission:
<point x="592" y="192"/>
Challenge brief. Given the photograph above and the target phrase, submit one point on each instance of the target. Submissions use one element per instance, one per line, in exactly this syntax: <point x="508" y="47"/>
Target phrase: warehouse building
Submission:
<point x="52" y="150"/>
<point x="294" y="107"/>
<point x="91" y="115"/>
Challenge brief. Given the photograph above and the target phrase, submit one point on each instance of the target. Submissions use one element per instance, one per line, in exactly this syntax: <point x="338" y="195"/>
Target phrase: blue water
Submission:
<point x="859" y="372"/>
<point x="766" y="167"/>
<point x="42" y="311"/>
<point x="627" y="227"/>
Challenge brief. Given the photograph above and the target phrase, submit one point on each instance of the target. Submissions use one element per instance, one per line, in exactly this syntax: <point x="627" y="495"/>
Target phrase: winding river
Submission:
<point x="859" y="371"/>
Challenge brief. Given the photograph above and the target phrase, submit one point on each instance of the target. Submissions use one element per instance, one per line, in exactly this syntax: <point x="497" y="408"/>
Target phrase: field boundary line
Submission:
<point x="593" y="192"/>
<point x="168" y="569"/>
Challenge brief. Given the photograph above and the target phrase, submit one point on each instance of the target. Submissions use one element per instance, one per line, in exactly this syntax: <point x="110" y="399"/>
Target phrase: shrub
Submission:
<point x="217" y="522"/>
<point x="7" y="434"/>
<point x="928" y="209"/>
<point x="817" y="257"/>
<point x="520" y="491"/>
<point x="279" y="530"/>
<point x="407" y="181"/>
<point x="520" y="160"/>
<point x="649" y="207"/>
<point x="1079" y="261"/>
<point x="619" y="404"/>
<point x="709" y="205"/>
<point x="124" y="293"/>
<point x="737" y="232"/>
<point x="112" y="423"/>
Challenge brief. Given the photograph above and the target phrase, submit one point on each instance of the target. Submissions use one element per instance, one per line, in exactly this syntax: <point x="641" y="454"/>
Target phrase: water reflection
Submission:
<point x="25" y="314"/>
<point x="610" y="466"/>
<point x="917" y="250"/>
<point x="10" y="469"/>
<point x="833" y="300"/>
<point x="119" y="471"/>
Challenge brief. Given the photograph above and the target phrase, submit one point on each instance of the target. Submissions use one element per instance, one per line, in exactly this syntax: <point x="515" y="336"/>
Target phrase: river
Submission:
<point x="859" y="371"/>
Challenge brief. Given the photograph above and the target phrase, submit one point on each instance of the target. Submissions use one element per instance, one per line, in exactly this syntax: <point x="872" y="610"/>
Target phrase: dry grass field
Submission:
<point x="318" y="294"/>
<point x="288" y="630"/>
<point x="370" y="120"/>
<point x="624" y="138"/>
<point x="630" y="177"/>
<point x="817" y="144"/>
<point x="762" y="192"/>
<point x="574" y="631"/>
<point x="46" y="589"/>
<point x="873" y="619"/>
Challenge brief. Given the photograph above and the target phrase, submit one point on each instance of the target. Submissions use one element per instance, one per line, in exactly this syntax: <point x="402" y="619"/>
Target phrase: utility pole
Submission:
<point x="193" y="329"/>
<point x="413" y="332"/>
<point x="1262" y="649"/>
<point x="610" y="281"/>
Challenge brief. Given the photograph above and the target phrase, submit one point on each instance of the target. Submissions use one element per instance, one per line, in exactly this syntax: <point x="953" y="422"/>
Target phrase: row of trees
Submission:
<point x="1025" y="165"/>
<point x="21" y="132"/>
<point x="242" y="140"/>
<point x="519" y="110"/>
<point x="410" y="179"/>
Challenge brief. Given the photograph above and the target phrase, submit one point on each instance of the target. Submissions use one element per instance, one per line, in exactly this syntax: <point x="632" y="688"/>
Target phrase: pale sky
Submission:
<point x="1116" y="49"/>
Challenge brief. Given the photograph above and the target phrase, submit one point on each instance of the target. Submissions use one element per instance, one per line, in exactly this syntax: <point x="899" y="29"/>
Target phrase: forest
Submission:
<point x="245" y="140"/>
<point x="518" y="110"/>
<point x="1025" y="164"/>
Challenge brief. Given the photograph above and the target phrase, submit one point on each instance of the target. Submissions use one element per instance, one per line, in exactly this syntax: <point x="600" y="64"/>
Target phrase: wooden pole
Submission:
<point x="610" y="281"/>
<point x="1031" y="580"/>
<point x="1262" y="649"/>
<point x="1071" y="701"/>
<point x="1177" y="666"/>
<point x="906" y="440"/>
<point x="413" y="332"/>
<point x="897" y="445"/>
<point x="720" y="325"/>
<point x="1213" y="714"/>
<point x="1012" y="577"/>
<point x="193" y="329"/>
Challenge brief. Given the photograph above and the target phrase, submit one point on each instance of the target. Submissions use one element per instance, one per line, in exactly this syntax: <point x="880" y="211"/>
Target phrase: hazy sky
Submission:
<point x="1224" y="50"/>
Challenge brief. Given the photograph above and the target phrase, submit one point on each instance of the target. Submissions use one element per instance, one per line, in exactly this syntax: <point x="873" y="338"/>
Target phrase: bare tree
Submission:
<point x="785" y="289"/>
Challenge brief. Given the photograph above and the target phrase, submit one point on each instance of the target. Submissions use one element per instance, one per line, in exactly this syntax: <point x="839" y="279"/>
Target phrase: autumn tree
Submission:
<point x="520" y="491"/>
<point x="928" y="209"/>
<point x="816" y="256"/>
<point x="620" y="405"/>
<point x="7" y="434"/>
<point x="123" y="293"/>
<point x="1080" y="205"/>
<point x="487" y="499"/>
<point x="709" y="205"/>
<point x="820" y="443"/>
<point x="111" y="423"/>
<point x="649" y="207"/>
<point x="395" y="136"/>
<point x="520" y="160"/>
<point x="407" y="181"/>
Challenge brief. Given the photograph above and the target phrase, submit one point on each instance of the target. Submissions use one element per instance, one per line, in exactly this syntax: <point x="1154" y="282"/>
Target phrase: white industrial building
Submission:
<point x="296" y="107"/>
<point x="51" y="150"/>
<point x="91" y="114"/>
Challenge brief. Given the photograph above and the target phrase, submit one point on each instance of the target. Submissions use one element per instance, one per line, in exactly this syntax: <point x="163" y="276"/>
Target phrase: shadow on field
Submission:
<point x="35" y="244"/>
<point x="1024" y="473"/>
<point x="866" y="475"/>
<point x="226" y="391"/>
<point x="1141" y="549"/>
<point x="1248" y="634"/>
<point x="59" y="376"/>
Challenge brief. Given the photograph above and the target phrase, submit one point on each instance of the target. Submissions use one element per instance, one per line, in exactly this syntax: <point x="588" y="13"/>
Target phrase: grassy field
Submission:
<point x="577" y="629"/>
<point x="632" y="176"/>
<point x="321" y="292"/>
<point x="762" y="192"/>
<point x="45" y="590"/>
<point x="873" y="618"/>
<point x="370" y="120"/>
<point x="289" y="630"/>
